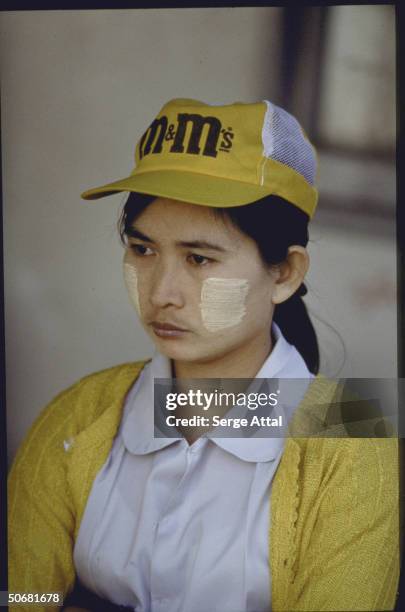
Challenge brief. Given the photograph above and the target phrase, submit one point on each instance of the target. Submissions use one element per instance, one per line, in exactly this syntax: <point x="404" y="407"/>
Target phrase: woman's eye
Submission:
<point x="199" y="260"/>
<point x="140" y="249"/>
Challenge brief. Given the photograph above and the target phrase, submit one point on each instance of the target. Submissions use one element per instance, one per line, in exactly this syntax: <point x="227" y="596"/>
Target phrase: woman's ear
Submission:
<point x="292" y="272"/>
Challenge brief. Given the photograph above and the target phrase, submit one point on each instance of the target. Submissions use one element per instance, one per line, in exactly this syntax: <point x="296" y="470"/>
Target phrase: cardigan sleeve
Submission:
<point x="349" y="547"/>
<point x="40" y="514"/>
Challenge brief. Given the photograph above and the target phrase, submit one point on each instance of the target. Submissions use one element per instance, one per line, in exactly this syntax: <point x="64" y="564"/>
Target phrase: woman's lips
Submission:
<point x="167" y="330"/>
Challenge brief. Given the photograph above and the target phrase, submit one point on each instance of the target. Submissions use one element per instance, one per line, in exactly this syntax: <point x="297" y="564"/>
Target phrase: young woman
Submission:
<point x="215" y="229"/>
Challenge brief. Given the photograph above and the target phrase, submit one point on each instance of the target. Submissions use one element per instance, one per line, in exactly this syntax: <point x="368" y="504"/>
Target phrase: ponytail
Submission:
<point x="293" y="319"/>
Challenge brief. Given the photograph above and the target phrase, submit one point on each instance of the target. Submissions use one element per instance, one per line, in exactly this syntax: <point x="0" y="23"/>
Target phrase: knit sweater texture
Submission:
<point x="334" y="534"/>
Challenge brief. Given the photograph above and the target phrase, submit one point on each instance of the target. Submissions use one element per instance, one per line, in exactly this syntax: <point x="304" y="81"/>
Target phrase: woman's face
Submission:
<point x="187" y="269"/>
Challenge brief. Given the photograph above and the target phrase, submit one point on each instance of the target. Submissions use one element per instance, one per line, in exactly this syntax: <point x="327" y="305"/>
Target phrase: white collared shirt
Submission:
<point x="170" y="527"/>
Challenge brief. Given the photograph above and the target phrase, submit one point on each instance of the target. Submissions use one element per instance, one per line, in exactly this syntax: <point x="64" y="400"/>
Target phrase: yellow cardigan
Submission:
<point x="334" y="535"/>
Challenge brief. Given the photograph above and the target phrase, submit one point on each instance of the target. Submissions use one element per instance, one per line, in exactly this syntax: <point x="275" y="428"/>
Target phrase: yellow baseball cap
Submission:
<point x="222" y="156"/>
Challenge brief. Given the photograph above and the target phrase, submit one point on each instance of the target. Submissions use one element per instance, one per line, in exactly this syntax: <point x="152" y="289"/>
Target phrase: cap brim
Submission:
<point x="185" y="186"/>
<point x="212" y="191"/>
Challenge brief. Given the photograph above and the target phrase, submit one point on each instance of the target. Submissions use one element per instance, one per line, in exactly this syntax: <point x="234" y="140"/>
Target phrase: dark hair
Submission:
<point x="274" y="224"/>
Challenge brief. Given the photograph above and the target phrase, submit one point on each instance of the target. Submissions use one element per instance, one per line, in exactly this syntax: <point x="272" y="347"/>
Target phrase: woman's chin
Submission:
<point x="177" y="353"/>
<point x="172" y="347"/>
<point x="178" y="349"/>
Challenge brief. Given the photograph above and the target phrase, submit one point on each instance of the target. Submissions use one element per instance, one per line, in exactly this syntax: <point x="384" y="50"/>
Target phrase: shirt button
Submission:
<point x="160" y="601"/>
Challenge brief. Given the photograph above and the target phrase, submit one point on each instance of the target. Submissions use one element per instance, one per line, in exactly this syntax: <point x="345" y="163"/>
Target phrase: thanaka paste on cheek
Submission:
<point x="223" y="302"/>
<point x="131" y="283"/>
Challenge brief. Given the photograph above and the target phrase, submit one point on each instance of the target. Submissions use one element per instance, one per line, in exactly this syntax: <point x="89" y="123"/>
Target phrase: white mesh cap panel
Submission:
<point x="284" y="141"/>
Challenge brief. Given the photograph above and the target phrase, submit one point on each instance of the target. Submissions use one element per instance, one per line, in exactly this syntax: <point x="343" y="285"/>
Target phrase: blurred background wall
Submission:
<point x="78" y="88"/>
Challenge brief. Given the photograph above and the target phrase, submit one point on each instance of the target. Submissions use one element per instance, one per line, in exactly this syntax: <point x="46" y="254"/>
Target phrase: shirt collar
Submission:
<point x="137" y="428"/>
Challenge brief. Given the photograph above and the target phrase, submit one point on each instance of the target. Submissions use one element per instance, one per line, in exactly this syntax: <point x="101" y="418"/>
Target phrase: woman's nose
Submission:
<point x="166" y="287"/>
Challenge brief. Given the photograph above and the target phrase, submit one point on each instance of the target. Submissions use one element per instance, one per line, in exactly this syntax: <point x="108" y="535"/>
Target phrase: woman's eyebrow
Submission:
<point x="201" y="244"/>
<point x="132" y="232"/>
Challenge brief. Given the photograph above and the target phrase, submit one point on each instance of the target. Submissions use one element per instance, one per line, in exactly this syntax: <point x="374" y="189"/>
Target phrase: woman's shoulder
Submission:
<point x="106" y="383"/>
<point x="332" y="408"/>
<point x="91" y="395"/>
<point x="97" y="397"/>
<point x="335" y="431"/>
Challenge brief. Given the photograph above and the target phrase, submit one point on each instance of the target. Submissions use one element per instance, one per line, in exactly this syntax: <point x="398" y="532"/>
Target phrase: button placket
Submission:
<point x="163" y="574"/>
